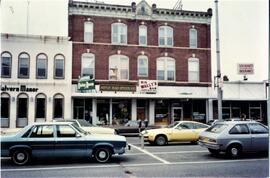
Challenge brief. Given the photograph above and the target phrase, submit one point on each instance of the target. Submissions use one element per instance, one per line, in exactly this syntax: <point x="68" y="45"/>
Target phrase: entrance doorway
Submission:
<point x="177" y="114"/>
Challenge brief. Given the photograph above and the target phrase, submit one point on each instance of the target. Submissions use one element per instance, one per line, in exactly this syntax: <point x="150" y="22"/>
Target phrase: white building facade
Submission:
<point x="35" y="79"/>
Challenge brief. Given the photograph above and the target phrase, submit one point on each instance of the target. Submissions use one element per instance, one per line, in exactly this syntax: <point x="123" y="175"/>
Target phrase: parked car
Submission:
<point x="235" y="137"/>
<point x="181" y="131"/>
<point x="132" y="128"/>
<point x="89" y="127"/>
<point x="59" y="139"/>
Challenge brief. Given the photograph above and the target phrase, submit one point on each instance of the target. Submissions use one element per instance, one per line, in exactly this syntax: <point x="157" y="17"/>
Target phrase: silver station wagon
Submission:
<point x="59" y="139"/>
<point x="235" y="137"/>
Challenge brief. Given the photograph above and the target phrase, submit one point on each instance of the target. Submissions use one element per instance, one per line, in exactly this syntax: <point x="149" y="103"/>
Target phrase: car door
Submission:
<point x="41" y="140"/>
<point x="183" y="132"/>
<point x="259" y="137"/>
<point x="240" y="133"/>
<point x="69" y="142"/>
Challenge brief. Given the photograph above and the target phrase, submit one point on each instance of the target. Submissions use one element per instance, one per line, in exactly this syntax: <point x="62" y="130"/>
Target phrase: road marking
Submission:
<point x="171" y="152"/>
<point x="150" y="154"/>
<point x="133" y="165"/>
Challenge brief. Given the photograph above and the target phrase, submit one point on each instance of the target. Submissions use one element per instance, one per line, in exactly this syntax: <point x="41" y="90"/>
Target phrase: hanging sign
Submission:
<point x="85" y="83"/>
<point x="148" y="86"/>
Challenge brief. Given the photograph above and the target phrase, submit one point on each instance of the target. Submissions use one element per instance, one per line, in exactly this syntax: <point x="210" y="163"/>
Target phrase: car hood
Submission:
<point x="105" y="137"/>
<point x="98" y="130"/>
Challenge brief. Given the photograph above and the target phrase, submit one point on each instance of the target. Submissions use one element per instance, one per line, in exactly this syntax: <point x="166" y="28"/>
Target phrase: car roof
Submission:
<point x="238" y="122"/>
<point x="51" y="123"/>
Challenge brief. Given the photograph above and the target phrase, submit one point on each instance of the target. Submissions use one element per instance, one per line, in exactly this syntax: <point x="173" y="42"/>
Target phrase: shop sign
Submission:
<point x="148" y="86"/>
<point x="110" y="87"/>
<point x="85" y="83"/>
<point x="21" y="88"/>
<point x="245" y="69"/>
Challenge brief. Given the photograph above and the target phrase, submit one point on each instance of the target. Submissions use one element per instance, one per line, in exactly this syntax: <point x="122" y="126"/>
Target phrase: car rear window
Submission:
<point x="217" y="128"/>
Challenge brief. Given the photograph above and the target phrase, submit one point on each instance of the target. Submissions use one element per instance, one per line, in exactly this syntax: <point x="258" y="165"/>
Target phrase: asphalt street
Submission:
<point x="173" y="160"/>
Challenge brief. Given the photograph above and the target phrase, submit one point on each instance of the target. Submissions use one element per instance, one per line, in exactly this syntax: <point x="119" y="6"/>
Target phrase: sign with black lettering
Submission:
<point x="21" y="88"/>
<point x="111" y="87"/>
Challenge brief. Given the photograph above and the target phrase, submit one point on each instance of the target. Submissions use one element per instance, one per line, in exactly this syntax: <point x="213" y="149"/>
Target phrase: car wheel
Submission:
<point x="234" y="151"/>
<point x="102" y="154"/>
<point x="20" y="157"/>
<point x="160" y="140"/>
<point x="214" y="152"/>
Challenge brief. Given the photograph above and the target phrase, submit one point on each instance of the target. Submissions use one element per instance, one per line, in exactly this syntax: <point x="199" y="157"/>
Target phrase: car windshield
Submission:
<point x="173" y="125"/>
<point x="84" y="123"/>
<point x="79" y="129"/>
<point x="217" y="128"/>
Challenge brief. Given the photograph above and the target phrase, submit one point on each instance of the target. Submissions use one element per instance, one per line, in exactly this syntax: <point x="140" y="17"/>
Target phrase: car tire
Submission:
<point x="234" y="151"/>
<point x="160" y="140"/>
<point x="20" y="157"/>
<point x="214" y="152"/>
<point x="103" y="154"/>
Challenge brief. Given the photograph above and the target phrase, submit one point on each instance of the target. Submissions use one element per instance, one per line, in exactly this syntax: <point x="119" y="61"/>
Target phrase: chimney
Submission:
<point x="154" y="8"/>
<point x="133" y="6"/>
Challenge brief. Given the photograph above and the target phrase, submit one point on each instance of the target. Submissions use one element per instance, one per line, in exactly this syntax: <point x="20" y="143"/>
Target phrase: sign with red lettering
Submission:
<point x="245" y="69"/>
<point x="148" y="86"/>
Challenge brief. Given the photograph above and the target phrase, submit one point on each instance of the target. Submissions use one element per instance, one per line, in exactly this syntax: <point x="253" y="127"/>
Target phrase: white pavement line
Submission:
<point x="150" y="154"/>
<point x="171" y="152"/>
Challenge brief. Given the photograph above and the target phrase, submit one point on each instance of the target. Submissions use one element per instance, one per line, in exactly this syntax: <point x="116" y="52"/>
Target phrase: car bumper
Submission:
<point x="209" y="145"/>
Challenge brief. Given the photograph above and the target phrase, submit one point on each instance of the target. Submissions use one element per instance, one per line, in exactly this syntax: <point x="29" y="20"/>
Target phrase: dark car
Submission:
<point x="59" y="139"/>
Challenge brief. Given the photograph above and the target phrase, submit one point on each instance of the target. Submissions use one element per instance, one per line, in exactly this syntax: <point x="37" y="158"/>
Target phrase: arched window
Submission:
<point x="142" y="66"/>
<point x="5" y="110"/>
<point x="119" y="33"/>
<point x="6" y="64"/>
<point x="193" y="70"/>
<point x="165" y="36"/>
<point x="118" y="67"/>
<point x="88" y="32"/>
<point x="41" y="107"/>
<point x="143" y="35"/>
<point x="165" y="68"/>
<point x="58" y="106"/>
<point x="59" y="67"/>
<point x="193" y="38"/>
<point x="88" y="65"/>
<point x="22" y="110"/>
<point x="41" y="70"/>
<point x="24" y="65"/>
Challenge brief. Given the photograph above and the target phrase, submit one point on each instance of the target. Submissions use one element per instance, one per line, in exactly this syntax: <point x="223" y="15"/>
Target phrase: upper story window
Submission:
<point x="24" y="63"/>
<point x="193" y="70"/>
<point x="119" y="33"/>
<point x="41" y="71"/>
<point x="165" y="36"/>
<point x="88" y="65"/>
<point x="119" y="67"/>
<point x="6" y="64"/>
<point x="142" y="66"/>
<point x="193" y="38"/>
<point x="59" y="66"/>
<point x="88" y="32"/>
<point x="142" y="35"/>
<point x="166" y="68"/>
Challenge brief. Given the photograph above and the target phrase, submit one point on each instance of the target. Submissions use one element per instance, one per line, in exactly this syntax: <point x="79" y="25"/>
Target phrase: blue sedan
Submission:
<point x="59" y="139"/>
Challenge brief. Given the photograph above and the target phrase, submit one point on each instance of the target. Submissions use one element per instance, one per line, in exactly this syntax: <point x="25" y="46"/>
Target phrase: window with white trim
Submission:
<point x="119" y="33"/>
<point x="165" y="36"/>
<point x="142" y="35"/>
<point x="59" y="67"/>
<point x="118" y="67"/>
<point x="24" y="62"/>
<point x="193" y="38"/>
<point x="193" y="70"/>
<point x="6" y="64"/>
<point x="142" y="66"/>
<point x="41" y="70"/>
<point x="166" y="68"/>
<point x="88" y="65"/>
<point x="88" y="32"/>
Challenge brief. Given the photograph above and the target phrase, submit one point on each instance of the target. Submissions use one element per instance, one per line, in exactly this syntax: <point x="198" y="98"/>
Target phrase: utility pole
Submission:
<point x="219" y="91"/>
<point x="27" y="18"/>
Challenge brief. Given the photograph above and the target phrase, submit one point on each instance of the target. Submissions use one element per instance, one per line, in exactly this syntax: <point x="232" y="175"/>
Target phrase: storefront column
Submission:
<point x="209" y="110"/>
<point x="31" y="110"/>
<point x="134" y="109"/>
<point x="110" y="116"/>
<point x="151" y="112"/>
<point x="13" y="112"/>
<point x="94" y="111"/>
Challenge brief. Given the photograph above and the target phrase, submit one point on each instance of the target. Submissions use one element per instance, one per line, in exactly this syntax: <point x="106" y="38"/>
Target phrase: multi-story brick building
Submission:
<point x="146" y="62"/>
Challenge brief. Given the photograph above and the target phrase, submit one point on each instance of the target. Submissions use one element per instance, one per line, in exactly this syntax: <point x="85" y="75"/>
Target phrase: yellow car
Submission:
<point x="183" y="131"/>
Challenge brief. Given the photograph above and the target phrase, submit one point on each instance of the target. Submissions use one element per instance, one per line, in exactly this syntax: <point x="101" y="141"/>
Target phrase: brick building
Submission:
<point x="143" y="62"/>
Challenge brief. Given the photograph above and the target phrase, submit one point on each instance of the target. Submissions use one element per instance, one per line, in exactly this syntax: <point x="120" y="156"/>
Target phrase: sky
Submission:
<point x="243" y="27"/>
